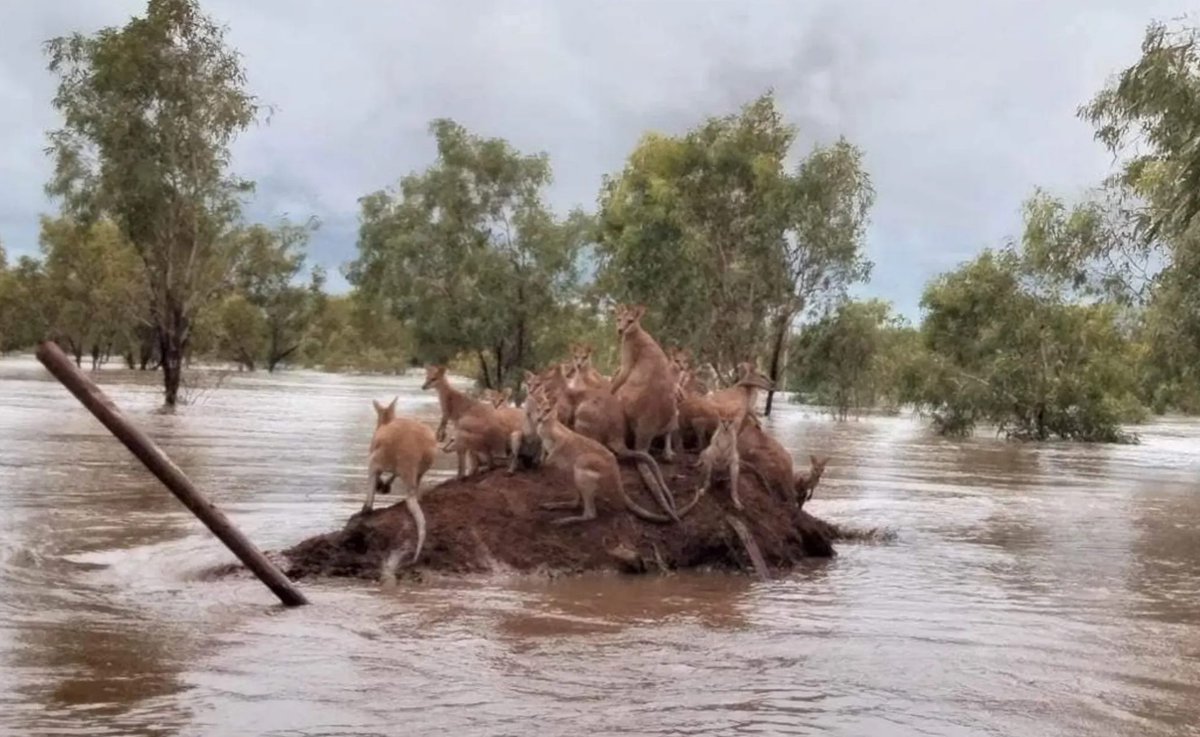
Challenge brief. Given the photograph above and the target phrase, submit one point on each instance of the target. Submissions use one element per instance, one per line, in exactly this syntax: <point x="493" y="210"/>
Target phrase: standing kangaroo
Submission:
<point x="478" y="432"/>
<point x="722" y="455"/>
<point x="402" y="450"/>
<point x="722" y="451"/>
<point x="597" y="414"/>
<point x="512" y="420"/>
<point x="698" y="413"/>
<point x="591" y="465"/>
<point x="645" y="384"/>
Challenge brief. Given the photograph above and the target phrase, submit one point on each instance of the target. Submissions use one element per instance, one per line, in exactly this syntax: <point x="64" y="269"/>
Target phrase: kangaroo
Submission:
<point x="721" y="455"/>
<point x="698" y="414"/>
<point x="592" y="466"/>
<point x="806" y="481"/>
<point x="762" y="455"/>
<point x="597" y="414"/>
<point x="645" y="384"/>
<point x="585" y="376"/>
<point x="513" y="420"/>
<point x="478" y="431"/>
<point x="403" y="450"/>
<point x="728" y="400"/>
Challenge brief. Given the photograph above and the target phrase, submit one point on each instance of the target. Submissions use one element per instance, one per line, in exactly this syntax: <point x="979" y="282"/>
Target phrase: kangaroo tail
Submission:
<point x="651" y="476"/>
<point x="638" y="509"/>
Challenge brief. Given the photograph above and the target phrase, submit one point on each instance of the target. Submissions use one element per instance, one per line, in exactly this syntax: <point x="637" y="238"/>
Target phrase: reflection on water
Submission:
<point x="1032" y="590"/>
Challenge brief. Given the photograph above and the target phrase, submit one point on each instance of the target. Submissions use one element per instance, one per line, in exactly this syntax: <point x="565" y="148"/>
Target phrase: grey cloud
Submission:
<point x="962" y="108"/>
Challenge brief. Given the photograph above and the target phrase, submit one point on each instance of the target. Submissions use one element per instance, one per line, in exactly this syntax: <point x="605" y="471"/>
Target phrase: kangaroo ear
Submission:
<point x="814" y="460"/>
<point x="639" y="311"/>
<point x="378" y="407"/>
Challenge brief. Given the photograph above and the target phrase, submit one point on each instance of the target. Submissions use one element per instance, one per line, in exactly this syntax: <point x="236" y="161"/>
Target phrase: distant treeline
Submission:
<point x="1087" y="318"/>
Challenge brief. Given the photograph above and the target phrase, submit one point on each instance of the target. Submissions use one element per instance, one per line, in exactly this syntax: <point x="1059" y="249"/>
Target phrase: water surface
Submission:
<point x="1032" y="590"/>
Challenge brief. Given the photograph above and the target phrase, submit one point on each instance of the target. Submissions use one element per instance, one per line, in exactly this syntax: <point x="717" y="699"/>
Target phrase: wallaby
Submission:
<point x="597" y="414"/>
<point x="698" y="414"/>
<point x="728" y="400"/>
<point x="592" y="466"/>
<point x="806" y="481"/>
<point x="721" y="455"/>
<point x="513" y="420"/>
<point x="401" y="450"/>
<point x="585" y="376"/>
<point x="478" y="432"/>
<point x="763" y="456"/>
<point x="645" y="384"/>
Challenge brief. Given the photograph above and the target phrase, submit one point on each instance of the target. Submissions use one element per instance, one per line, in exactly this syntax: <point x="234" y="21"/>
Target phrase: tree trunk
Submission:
<point x="776" y="366"/>
<point x="484" y="371"/>
<point x="172" y="347"/>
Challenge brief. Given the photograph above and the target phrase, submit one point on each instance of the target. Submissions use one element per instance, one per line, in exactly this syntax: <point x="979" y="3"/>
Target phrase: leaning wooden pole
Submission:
<point x="148" y="452"/>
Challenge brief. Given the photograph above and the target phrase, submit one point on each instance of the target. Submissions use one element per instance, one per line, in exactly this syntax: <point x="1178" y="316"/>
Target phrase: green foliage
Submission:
<point x="853" y="358"/>
<point x="149" y="111"/>
<point x="94" y="291"/>
<point x="467" y="254"/>
<point x="349" y="334"/>
<point x="1004" y="352"/>
<point x="269" y="262"/>
<point x="1155" y="103"/>
<point x="723" y="245"/>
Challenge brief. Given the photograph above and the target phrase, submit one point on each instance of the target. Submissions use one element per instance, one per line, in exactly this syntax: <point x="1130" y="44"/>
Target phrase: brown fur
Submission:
<point x="766" y="458"/>
<point x="597" y="414"/>
<point x="403" y="450"/>
<point x="479" y="433"/>
<point x="585" y="375"/>
<point x="592" y="466"/>
<point x="721" y="455"/>
<point x="645" y="384"/>
<point x="698" y="414"/>
<point x="730" y="399"/>
<point x="806" y="481"/>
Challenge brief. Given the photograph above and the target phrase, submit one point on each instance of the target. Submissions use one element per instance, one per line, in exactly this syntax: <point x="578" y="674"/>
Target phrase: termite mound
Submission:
<point x="493" y="522"/>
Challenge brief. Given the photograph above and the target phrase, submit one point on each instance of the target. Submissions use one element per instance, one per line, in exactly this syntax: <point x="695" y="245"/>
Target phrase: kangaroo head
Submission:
<point x="818" y="465"/>
<point x="547" y="413"/>
<point x="384" y="414"/>
<point x="628" y="317"/>
<point x="494" y="398"/>
<point x="729" y="425"/>
<point x="682" y="358"/>
<point x="433" y="373"/>
<point x="581" y="356"/>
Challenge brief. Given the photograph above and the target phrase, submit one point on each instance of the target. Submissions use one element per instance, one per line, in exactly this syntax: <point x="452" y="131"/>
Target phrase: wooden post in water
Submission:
<point x="148" y="452"/>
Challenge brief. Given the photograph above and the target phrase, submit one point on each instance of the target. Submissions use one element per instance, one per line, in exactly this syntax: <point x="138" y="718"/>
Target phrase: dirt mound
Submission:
<point x="493" y="523"/>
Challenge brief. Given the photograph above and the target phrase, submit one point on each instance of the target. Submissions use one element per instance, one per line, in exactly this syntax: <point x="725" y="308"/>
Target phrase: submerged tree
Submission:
<point x="853" y="358"/>
<point x="725" y="246"/>
<point x="269" y="263"/>
<point x="468" y="255"/>
<point x="96" y="294"/>
<point x="1005" y="350"/>
<point x="149" y="112"/>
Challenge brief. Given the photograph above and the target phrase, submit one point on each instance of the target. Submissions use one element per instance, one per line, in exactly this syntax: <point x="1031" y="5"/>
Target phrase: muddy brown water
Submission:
<point x="1049" y="590"/>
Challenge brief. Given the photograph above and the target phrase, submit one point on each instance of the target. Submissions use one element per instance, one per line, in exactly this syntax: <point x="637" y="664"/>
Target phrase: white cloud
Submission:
<point x="962" y="108"/>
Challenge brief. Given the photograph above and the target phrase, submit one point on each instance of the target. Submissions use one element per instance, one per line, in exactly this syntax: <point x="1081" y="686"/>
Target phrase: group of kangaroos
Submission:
<point x="579" y="422"/>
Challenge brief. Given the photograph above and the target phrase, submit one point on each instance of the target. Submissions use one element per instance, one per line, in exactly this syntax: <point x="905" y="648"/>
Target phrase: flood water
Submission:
<point x="1051" y="590"/>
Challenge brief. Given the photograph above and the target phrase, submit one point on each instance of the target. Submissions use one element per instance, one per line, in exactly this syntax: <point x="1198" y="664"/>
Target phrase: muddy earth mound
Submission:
<point x="494" y="523"/>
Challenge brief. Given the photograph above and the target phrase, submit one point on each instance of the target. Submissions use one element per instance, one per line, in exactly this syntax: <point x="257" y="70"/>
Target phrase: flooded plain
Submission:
<point x="1031" y="590"/>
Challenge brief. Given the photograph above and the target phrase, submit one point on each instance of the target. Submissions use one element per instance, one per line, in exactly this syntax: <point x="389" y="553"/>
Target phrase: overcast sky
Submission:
<point x="961" y="107"/>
